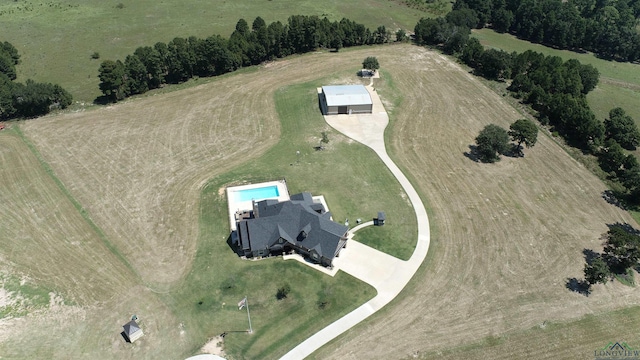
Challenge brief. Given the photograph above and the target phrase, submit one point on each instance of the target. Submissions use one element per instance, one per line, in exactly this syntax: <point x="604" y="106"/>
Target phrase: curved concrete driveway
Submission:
<point x="360" y="260"/>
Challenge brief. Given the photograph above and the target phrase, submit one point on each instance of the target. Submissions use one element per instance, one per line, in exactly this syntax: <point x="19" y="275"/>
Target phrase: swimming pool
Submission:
<point x="257" y="194"/>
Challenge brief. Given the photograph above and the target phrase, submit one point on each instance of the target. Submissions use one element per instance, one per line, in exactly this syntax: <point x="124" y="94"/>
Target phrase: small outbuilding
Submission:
<point x="379" y="221"/>
<point x="345" y="99"/>
<point x="132" y="331"/>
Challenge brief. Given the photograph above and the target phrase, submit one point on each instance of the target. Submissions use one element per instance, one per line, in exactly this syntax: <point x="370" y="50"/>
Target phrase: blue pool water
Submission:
<point x="266" y="192"/>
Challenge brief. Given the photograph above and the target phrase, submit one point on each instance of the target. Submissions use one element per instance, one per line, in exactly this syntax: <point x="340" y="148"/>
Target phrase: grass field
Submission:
<point x="137" y="172"/>
<point x="555" y="340"/>
<point x="146" y="170"/>
<point x="57" y="38"/>
<point x="619" y="82"/>
<point x="506" y="236"/>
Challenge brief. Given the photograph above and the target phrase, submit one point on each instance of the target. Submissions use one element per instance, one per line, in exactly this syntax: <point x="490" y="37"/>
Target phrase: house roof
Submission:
<point x="342" y="95"/>
<point x="297" y="222"/>
<point x="382" y="215"/>
<point x="131" y="327"/>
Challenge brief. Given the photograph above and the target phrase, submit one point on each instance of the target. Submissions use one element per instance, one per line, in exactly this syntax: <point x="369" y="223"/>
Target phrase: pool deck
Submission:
<point x="235" y="206"/>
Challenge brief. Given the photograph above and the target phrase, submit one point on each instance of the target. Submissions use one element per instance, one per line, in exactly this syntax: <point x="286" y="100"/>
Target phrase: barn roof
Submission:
<point x="343" y="95"/>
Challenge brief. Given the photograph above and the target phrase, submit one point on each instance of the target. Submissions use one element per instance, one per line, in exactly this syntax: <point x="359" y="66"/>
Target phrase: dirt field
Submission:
<point x="506" y="236"/>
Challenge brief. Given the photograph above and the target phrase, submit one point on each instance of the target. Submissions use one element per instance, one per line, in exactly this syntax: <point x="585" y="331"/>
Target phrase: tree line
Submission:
<point x="607" y="28"/>
<point x="29" y="99"/>
<point x="181" y="59"/>
<point x="556" y="89"/>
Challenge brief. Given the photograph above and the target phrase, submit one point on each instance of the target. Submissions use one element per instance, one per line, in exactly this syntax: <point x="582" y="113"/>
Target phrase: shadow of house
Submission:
<point x="298" y="225"/>
<point x="132" y="331"/>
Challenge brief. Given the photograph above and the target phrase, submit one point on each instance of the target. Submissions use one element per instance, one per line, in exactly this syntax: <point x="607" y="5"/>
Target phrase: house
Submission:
<point x="300" y="224"/>
<point x="345" y="99"/>
<point x="132" y="331"/>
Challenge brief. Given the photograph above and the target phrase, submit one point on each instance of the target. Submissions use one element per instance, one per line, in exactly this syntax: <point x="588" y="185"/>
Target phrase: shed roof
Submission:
<point x="131" y="328"/>
<point x="342" y="95"/>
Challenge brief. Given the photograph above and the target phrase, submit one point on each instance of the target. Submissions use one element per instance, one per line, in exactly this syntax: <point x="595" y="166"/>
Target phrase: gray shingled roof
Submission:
<point x="296" y="222"/>
<point x="131" y="327"/>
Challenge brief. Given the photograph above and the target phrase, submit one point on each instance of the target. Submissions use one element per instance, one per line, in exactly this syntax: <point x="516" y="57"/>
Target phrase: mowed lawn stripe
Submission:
<point x="73" y="201"/>
<point x="44" y="236"/>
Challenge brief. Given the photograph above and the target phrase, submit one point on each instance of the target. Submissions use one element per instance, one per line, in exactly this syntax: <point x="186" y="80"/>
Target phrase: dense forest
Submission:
<point x="181" y="59"/>
<point x="29" y="99"/>
<point x="555" y="89"/>
<point x="605" y="27"/>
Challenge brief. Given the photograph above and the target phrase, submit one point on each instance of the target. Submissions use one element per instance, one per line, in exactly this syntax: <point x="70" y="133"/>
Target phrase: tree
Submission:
<point x="622" y="248"/>
<point x="7" y="67"/>
<point x="463" y="17"/>
<point x="621" y="127"/>
<point x="502" y="20"/>
<point x="153" y="65"/>
<point x="523" y="131"/>
<point x="597" y="271"/>
<point x="472" y="52"/>
<point x="611" y="157"/>
<point x="589" y="76"/>
<point x="401" y="35"/>
<point x="8" y="49"/>
<point x="136" y="75"/>
<point x="113" y="80"/>
<point x="370" y="63"/>
<point x="491" y="142"/>
<point x="495" y="64"/>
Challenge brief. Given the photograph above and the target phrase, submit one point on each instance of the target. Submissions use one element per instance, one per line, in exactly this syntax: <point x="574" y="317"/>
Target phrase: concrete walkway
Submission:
<point x="386" y="273"/>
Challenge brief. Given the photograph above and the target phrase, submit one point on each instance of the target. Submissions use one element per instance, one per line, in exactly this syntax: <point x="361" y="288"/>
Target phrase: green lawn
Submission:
<point x="607" y="96"/>
<point x="619" y="82"/>
<point x="355" y="184"/>
<point x="56" y="38"/>
<point x="625" y="72"/>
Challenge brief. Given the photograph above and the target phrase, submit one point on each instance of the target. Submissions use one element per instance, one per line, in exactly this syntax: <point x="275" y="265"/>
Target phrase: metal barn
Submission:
<point x="346" y="99"/>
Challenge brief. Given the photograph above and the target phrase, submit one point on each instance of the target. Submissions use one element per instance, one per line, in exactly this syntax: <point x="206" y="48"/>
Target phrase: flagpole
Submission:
<point x="248" y="315"/>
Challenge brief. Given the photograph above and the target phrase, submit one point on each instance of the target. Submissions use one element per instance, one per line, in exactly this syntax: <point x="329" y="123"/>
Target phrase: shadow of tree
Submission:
<point x="579" y="286"/>
<point x="514" y="151"/>
<point x="472" y="154"/>
<point x="612" y="198"/>
<point x="590" y="255"/>
<point x="103" y="100"/>
<point x="626" y="226"/>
